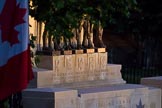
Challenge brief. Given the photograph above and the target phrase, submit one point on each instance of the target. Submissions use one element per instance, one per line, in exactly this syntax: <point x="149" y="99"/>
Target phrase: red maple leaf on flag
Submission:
<point x="11" y="16"/>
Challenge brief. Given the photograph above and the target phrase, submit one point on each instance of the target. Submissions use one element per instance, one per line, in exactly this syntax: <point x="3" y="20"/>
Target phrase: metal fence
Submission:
<point x="134" y="74"/>
<point x="136" y="63"/>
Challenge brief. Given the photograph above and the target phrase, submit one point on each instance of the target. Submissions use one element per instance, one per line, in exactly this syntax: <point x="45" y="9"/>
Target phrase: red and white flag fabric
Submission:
<point x="15" y="63"/>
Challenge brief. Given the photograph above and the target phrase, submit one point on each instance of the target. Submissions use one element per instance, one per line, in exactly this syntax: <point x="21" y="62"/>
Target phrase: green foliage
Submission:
<point x="6" y="104"/>
<point x="144" y="20"/>
<point x="34" y="58"/>
<point x="32" y="40"/>
<point x="60" y="16"/>
<point x="151" y="17"/>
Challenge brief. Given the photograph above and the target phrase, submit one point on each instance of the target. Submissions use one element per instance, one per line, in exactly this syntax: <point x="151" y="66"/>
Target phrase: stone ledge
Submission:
<point x="42" y="78"/>
<point x="47" y="78"/>
<point x="107" y="96"/>
<point x="49" y="98"/>
<point x="89" y="84"/>
<point x="152" y="81"/>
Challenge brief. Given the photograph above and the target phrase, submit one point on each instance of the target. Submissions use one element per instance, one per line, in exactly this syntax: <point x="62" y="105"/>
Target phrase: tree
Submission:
<point x="62" y="16"/>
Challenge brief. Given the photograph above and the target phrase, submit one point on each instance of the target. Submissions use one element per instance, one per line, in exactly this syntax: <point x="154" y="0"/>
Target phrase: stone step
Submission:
<point x="89" y="84"/>
<point x="49" y="98"/>
<point x="153" y="82"/>
<point x="47" y="78"/>
<point x="118" y="96"/>
<point x="114" y="96"/>
<point x="42" y="78"/>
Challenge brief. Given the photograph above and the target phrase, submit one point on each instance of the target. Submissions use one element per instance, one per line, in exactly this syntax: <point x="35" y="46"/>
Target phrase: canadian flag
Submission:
<point x="15" y="63"/>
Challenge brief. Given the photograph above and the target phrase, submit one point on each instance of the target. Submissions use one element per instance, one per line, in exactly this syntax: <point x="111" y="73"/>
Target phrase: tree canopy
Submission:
<point x="60" y="16"/>
<point x="146" y="21"/>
